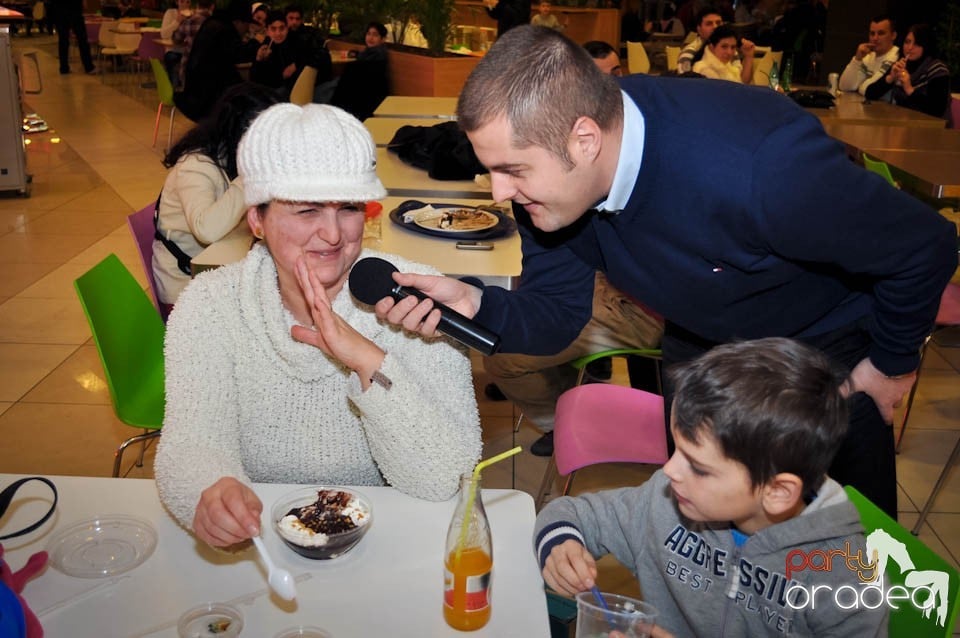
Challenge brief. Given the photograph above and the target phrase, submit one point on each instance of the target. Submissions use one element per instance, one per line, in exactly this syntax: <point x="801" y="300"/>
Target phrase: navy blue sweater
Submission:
<point x="746" y="221"/>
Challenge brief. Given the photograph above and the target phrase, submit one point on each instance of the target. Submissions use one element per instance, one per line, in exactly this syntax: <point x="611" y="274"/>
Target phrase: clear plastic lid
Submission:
<point x="103" y="546"/>
<point x="210" y="620"/>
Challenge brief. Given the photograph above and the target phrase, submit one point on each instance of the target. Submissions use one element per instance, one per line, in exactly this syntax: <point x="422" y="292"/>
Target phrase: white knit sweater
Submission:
<point x="246" y="400"/>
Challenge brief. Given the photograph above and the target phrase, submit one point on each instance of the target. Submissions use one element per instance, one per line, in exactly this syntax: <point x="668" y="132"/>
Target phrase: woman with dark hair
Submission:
<point x="720" y="60"/>
<point x="919" y="80"/>
<point x="202" y="197"/>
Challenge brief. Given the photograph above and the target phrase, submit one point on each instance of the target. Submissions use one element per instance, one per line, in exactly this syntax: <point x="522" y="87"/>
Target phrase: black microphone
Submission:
<point x="371" y="280"/>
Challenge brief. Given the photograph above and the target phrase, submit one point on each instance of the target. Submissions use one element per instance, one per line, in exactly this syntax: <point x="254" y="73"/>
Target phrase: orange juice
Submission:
<point x="466" y="589"/>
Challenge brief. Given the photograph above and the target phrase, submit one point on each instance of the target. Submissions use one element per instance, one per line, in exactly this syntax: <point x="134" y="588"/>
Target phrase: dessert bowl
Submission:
<point x="322" y="522"/>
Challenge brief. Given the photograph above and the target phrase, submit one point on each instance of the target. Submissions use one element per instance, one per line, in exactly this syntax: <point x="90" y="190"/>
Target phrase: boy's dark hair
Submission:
<point x="293" y="8"/>
<point x="598" y="49"/>
<point x="275" y="15"/>
<point x="723" y="32"/>
<point x="773" y="405"/>
<point x="379" y="26"/>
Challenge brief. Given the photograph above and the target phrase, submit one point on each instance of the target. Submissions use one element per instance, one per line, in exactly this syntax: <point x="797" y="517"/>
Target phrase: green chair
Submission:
<point x="128" y="333"/>
<point x="165" y="93"/>
<point x="924" y="567"/>
<point x="880" y="168"/>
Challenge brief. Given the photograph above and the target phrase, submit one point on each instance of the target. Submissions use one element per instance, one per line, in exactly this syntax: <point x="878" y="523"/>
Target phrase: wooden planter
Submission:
<point x="414" y="73"/>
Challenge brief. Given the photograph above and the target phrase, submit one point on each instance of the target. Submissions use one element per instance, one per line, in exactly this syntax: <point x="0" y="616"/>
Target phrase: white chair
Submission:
<point x="762" y="67"/>
<point x="125" y="45"/>
<point x="302" y="91"/>
<point x="637" y="59"/>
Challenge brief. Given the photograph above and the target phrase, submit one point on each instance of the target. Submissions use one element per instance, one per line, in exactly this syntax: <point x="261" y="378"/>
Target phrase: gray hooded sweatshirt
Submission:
<point x="703" y="584"/>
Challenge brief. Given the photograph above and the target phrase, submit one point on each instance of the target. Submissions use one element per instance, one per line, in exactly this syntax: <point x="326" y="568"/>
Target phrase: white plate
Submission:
<point x="456" y="220"/>
<point x="104" y="546"/>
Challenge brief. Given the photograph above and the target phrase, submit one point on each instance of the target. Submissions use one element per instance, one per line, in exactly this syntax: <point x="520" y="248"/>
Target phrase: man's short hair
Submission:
<point x="883" y="16"/>
<point x="293" y="8"/>
<point x="541" y="81"/>
<point x="707" y="11"/>
<point x="772" y="404"/>
<point x="379" y="26"/>
<point x="598" y="49"/>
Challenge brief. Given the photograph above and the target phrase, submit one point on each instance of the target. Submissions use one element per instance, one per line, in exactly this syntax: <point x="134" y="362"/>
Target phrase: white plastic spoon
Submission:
<point x="280" y="580"/>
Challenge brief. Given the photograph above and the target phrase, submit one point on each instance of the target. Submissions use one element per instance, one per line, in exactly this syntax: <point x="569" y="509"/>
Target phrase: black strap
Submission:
<point x="6" y="497"/>
<point x="183" y="259"/>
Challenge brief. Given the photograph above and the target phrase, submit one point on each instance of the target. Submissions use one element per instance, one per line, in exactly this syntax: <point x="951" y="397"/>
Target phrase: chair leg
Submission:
<point x="118" y="455"/>
<point x="549" y="476"/>
<point x="568" y="484"/>
<point x="913" y="392"/>
<point x="936" y="488"/>
<point x="173" y="112"/>
<point x="156" y="124"/>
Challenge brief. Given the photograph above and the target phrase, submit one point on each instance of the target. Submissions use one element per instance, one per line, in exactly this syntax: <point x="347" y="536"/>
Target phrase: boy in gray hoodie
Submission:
<point x="741" y="533"/>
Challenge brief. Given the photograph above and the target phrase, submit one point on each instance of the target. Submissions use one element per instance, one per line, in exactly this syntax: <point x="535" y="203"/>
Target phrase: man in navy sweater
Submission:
<point x="769" y="230"/>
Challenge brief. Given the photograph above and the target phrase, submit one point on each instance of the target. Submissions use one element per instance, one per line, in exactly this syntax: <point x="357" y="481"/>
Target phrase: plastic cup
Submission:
<point x="630" y="617"/>
<point x="834" y="80"/>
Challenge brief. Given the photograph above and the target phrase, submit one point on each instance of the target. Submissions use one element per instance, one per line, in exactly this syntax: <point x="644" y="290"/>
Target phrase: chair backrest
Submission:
<point x="164" y="86"/>
<point x="128" y="334"/>
<point x="637" y="59"/>
<point x="880" y="168"/>
<point x="607" y="423"/>
<point x="761" y="69"/>
<point x="127" y="42"/>
<point x="923" y="569"/>
<point x="142" y="229"/>
<point x="302" y="91"/>
<point x="673" y="57"/>
<point x="107" y="35"/>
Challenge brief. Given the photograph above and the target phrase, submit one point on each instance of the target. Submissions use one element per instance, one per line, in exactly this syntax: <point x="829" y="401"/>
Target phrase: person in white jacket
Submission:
<point x="202" y="196"/>
<point x="274" y="373"/>
<point x="873" y="58"/>
<point x="720" y="61"/>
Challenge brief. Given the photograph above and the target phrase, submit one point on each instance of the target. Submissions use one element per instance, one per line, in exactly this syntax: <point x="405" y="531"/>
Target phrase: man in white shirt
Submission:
<point x="873" y="59"/>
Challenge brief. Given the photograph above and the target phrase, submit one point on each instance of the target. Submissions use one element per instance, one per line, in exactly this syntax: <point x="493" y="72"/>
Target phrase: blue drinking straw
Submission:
<point x="611" y="619"/>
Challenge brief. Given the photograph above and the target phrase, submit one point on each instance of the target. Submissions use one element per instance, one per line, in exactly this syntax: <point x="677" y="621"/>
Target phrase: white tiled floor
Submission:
<point x="94" y="167"/>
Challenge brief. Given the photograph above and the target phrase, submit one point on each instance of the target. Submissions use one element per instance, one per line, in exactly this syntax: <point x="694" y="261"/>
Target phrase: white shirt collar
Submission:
<point x="628" y="164"/>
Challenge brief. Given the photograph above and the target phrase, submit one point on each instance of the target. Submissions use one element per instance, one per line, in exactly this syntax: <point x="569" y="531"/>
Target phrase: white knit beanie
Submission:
<point x="311" y="153"/>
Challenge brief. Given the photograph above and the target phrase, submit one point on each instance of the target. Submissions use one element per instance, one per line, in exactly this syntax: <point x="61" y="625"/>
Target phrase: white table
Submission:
<point x="498" y="267"/>
<point x="389" y="585"/>
<point x="382" y="129"/>
<point x="417" y="106"/>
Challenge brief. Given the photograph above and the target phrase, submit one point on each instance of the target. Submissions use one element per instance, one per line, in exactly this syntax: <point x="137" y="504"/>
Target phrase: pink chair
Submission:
<point x="142" y="228"/>
<point x="604" y="423"/>
<point x="948" y="315"/>
<point x="955" y="113"/>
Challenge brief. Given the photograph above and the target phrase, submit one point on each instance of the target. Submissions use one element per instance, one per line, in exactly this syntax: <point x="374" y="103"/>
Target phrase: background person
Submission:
<point x="707" y="20"/>
<point x="919" y="80"/>
<point x="508" y="13"/>
<point x="202" y="196"/>
<point x="755" y="424"/>
<point x="248" y="400"/>
<point x="277" y="64"/>
<point x="68" y="15"/>
<point x="605" y="57"/>
<point x="735" y="243"/>
<point x="873" y="58"/>
<point x="544" y="18"/>
<point x="720" y="60"/>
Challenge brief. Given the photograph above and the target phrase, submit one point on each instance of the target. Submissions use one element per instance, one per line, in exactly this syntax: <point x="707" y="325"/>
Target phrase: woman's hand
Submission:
<point x="228" y="513"/>
<point x="263" y="53"/>
<point x="897" y="71"/>
<point x="331" y="334"/>
<point x="290" y="70"/>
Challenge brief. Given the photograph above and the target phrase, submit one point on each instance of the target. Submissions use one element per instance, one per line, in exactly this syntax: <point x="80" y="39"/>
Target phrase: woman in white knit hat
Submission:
<point x="246" y="402"/>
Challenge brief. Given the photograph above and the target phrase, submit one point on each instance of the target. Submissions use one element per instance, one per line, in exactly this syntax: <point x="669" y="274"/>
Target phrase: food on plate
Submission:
<point x="457" y="219"/>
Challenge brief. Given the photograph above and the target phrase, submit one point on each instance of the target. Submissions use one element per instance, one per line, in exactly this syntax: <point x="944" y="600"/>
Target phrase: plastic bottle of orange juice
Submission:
<point x="468" y="561"/>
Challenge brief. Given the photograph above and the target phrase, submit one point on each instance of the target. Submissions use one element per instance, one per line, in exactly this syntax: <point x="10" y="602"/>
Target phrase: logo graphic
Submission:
<point x="926" y="590"/>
